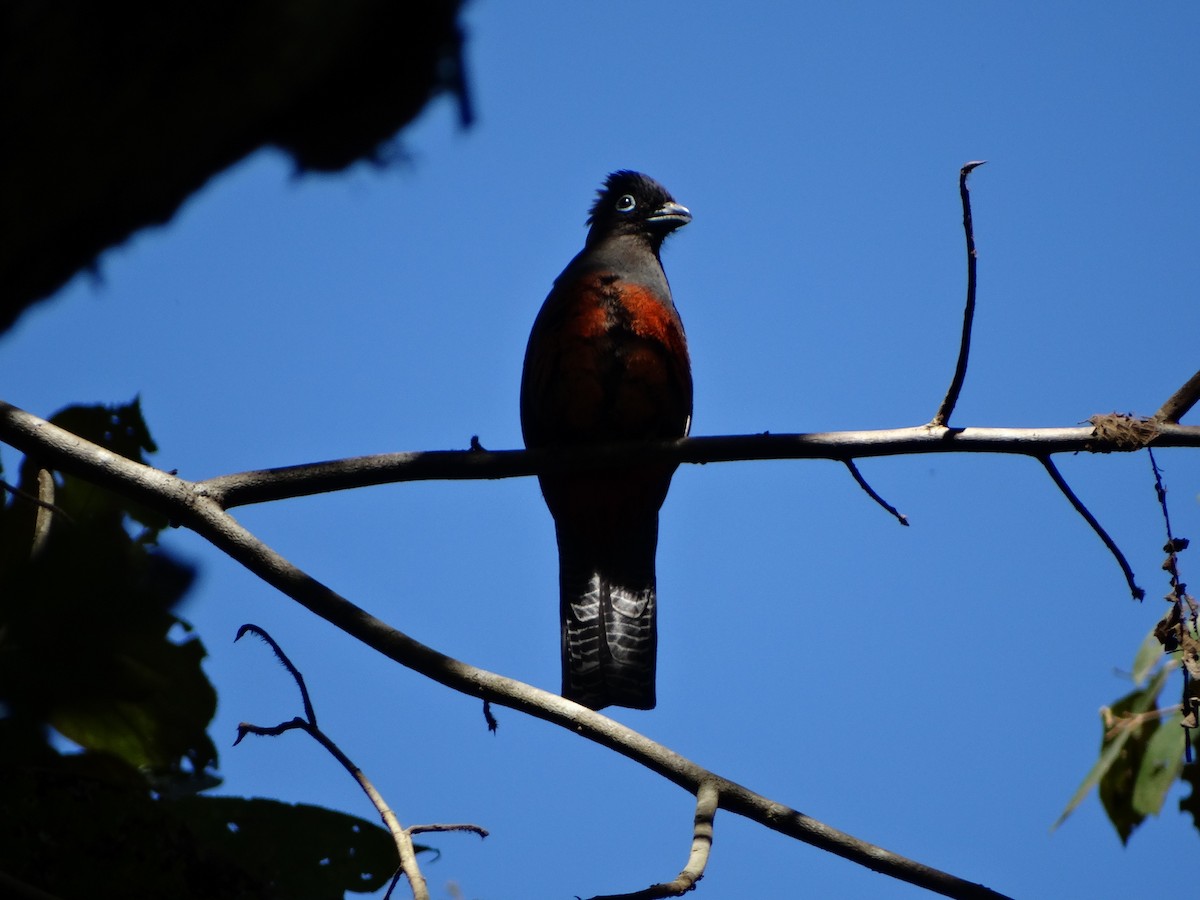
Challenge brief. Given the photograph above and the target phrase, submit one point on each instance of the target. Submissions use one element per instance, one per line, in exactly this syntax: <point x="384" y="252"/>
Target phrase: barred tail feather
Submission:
<point x="608" y="609"/>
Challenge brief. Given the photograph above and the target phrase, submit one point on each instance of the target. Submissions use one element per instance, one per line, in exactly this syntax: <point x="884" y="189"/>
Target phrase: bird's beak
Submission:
<point x="671" y="215"/>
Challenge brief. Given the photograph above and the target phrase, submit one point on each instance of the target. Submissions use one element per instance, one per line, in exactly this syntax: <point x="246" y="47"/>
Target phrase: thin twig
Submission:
<point x="1160" y="492"/>
<point x="309" y="713"/>
<point x="1115" y="724"/>
<point x="964" y="347"/>
<point x="1056" y="477"/>
<point x="38" y="499"/>
<point x="425" y="829"/>
<point x="245" y="728"/>
<point x="1180" y="402"/>
<point x="862" y="483"/>
<point x="1178" y="595"/>
<point x="45" y="512"/>
<point x="707" y="799"/>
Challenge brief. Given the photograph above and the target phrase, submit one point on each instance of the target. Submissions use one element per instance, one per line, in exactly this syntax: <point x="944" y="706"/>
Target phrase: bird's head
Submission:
<point x="635" y="204"/>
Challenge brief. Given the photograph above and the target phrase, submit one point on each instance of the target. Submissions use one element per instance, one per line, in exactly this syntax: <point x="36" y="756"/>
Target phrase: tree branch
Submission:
<point x="267" y="485"/>
<point x="1061" y="483"/>
<point x="964" y="348"/>
<point x="872" y="493"/>
<point x="187" y="504"/>
<point x="45" y="509"/>
<point x="443" y="826"/>
<point x="1180" y="402"/>
<point x="707" y="798"/>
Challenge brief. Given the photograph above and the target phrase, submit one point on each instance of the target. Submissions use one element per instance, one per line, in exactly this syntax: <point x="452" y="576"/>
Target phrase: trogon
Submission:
<point x="607" y="361"/>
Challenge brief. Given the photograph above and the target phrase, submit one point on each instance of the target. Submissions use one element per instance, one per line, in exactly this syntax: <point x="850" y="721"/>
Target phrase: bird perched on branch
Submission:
<point x="607" y="361"/>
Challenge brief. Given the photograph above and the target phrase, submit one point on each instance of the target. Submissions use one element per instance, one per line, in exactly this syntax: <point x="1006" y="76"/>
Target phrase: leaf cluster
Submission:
<point x="1143" y="748"/>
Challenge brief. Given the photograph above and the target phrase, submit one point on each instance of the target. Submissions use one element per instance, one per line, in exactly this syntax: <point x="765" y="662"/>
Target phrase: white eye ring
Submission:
<point x="626" y="203"/>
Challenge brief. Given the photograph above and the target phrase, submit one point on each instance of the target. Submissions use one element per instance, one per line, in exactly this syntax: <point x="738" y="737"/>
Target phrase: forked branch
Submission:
<point x="401" y="836"/>
<point x="1180" y="402"/>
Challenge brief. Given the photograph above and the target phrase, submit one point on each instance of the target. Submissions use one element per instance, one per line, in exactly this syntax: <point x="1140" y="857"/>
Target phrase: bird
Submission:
<point x="607" y="361"/>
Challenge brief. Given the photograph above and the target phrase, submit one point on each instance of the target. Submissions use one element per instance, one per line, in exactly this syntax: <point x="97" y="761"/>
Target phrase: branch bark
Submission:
<point x="266" y="485"/>
<point x="1181" y="401"/>
<point x="1079" y="507"/>
<point x="707" y="799"/>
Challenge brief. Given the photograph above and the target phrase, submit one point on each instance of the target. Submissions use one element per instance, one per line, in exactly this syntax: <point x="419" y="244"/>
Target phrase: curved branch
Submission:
<point x="310" y="714"/>
<point x="1073" y="499"/>
<point x="707" y="799"/>
<point x="189" y="505"/>
<point x="964" y="348"/>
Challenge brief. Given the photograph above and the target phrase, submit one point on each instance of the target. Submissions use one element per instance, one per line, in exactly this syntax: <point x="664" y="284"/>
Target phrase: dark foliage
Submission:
<point x="114" y="113"/>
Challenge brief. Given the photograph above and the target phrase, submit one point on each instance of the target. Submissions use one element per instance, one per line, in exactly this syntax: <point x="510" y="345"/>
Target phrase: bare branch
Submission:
<point x="310" y="714"/>
<point x="245" y="728"/>
<point x="185" y="504"/>
<point x="1052" y="471"/>
<point x="964" y="347"/>
<point x="707" y="801"/>
<point x="707" y="798"/>
<point x="424" y="829"/>
<point x="1180" y="402"/>
<point x="46" y="508"/>
<point x="266" y="485"/>
<point x="862" y="483"/>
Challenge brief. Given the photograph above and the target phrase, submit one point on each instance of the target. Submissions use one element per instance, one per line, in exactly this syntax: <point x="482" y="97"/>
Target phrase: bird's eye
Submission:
<point x="626" y="203"/>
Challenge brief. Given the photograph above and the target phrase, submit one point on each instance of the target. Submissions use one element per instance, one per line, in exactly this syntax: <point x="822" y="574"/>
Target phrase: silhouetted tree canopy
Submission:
<point x="114" y="113"/>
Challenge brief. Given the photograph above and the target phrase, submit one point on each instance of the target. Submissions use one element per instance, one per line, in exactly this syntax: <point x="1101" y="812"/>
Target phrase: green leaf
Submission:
<point x="120" y="428"/>
<point x="1162" y="762"/>
<point x="85" y="825"/>
<point x="304" y="852"/>
<point x="123" y="430"/>
<point x="1148" y="655"/>
<point x="87" y="624"/>
<point x="1116" y="764"/>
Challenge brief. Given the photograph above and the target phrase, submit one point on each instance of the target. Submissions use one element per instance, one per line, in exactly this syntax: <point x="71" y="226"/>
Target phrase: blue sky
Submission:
<point x="931" y="689"/>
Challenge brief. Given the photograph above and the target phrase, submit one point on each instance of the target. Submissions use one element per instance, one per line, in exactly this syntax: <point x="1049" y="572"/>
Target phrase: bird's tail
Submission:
<point x="608" y="610"/>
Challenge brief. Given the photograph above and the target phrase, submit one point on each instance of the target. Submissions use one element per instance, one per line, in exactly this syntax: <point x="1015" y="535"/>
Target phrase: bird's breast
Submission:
<point x="608" y="361"/>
